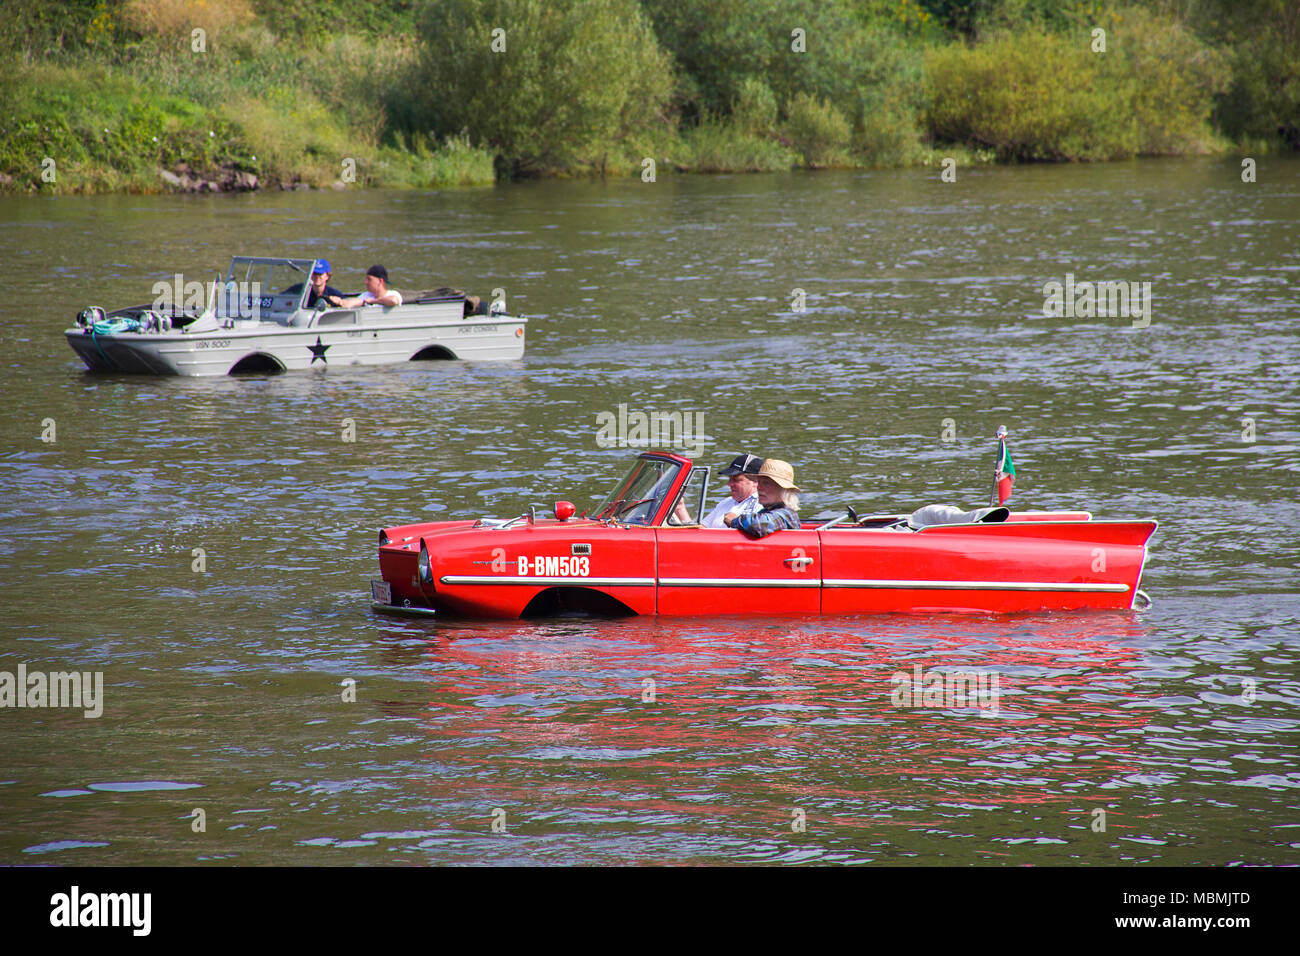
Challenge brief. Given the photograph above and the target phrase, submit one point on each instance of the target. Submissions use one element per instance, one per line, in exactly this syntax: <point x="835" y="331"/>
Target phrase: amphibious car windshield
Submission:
<point x="264" y="288"/>
<point x="636" y="499"/>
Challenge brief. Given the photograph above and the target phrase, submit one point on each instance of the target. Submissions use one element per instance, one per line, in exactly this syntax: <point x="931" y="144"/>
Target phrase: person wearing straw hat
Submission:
<point x="778" y="496"/>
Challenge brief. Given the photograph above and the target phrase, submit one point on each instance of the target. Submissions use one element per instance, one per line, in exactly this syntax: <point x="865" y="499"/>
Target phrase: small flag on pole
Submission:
<point x="1004" y="475"/>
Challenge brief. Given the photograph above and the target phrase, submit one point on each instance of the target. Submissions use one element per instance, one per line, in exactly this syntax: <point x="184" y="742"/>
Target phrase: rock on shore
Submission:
<point x="182" y="178"/>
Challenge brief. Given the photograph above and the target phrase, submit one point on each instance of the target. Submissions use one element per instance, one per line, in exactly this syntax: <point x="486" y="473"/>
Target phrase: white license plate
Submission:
<point x="381" y="592"/>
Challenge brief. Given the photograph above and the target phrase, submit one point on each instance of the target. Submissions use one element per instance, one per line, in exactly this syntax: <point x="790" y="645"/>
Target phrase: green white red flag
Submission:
<point x="1004" y="477"/>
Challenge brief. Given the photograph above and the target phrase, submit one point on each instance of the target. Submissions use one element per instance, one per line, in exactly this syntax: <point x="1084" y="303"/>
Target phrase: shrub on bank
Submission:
<point x="887" y="105"/>
<point x="1035" y="95"/>
<point x="818" y="132"/>
<point x="423" y="162"/>
<point x="1171" y="78"/>
<point x="855" y="59"/>
<point x="545" y="83"/>
<point x="176" y="19"/>
<point x="293" y="138"/>
<point x="717" y="44"/>
<point x="1261" y="104"/>
<point x="317" y="21"/>
<point x="1028" y="96"/>
<point x="755" y="108"/>
<point x="724" y="146"/>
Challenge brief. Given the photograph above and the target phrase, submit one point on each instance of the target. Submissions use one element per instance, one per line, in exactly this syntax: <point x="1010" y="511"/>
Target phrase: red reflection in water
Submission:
<point x="775" y="713"/>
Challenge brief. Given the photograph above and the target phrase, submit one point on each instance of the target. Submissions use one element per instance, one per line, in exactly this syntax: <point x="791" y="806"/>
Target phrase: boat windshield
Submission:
<point x="264" y="288"/>
<point x="636" y="498"/>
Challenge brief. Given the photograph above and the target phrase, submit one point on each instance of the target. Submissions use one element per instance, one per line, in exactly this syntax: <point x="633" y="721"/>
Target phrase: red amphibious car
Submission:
<point x="637" y="555"/>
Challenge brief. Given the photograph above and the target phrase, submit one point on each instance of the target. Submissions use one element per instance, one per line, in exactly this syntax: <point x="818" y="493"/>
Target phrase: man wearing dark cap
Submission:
<point x="744" y="492"/>
<point x="377" y="291"/>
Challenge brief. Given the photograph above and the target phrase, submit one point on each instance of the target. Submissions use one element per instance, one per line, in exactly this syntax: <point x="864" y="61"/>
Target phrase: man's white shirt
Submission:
<point x="728" y="504"/>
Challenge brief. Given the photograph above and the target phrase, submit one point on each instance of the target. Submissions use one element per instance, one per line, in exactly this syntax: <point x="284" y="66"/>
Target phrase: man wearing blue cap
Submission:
<point x="320" y="288"/>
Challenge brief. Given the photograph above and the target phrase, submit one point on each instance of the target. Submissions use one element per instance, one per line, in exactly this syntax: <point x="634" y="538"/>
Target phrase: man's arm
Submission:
<point x="391" y="297"/>
<point x="736" y="509"/>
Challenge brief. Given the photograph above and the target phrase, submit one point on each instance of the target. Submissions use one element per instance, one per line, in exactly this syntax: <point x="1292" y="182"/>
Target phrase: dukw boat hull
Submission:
<point x="350" y="338"/>
<point x="241" y="329"/>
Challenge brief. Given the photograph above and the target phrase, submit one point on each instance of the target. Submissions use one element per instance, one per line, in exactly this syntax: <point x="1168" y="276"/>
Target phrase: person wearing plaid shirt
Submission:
<point x="778" y="496"/>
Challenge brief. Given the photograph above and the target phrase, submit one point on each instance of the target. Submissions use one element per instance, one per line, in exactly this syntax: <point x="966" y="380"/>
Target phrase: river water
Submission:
<point x="1165" y="736"/>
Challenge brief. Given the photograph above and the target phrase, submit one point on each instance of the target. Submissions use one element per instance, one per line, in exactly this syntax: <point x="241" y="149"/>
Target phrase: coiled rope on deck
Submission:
<point x="108" y="326"/>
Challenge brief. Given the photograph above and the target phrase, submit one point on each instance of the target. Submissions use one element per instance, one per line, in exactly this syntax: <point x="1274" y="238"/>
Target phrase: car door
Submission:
<point x="503" y="572"/>
<point x="722" y="571"/>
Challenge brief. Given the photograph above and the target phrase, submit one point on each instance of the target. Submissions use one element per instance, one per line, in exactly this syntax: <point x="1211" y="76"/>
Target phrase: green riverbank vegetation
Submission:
<point x="151" y="95"/>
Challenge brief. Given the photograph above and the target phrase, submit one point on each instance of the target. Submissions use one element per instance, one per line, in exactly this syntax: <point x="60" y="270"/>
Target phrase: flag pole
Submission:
<point x="1001" y="436"/>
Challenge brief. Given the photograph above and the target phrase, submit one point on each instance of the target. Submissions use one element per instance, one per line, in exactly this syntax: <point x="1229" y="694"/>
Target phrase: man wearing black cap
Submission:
<point x="744" y="491"/>
<point x="377" y="291"/>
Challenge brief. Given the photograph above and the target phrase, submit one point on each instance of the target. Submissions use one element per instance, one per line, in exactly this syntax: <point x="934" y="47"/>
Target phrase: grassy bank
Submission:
<point x="90" y="127"/>
<point x="140" y="95"/>
<point x="104" y="105"/>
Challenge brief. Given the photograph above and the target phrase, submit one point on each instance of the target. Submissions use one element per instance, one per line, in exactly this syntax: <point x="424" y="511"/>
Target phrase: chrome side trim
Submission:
<point x="1020" y="525"/>
<point x="508" y="579"/>
<point x="1042" y="512"/>
<point x="972" y="585"/>
<point x="813" y="582"/>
